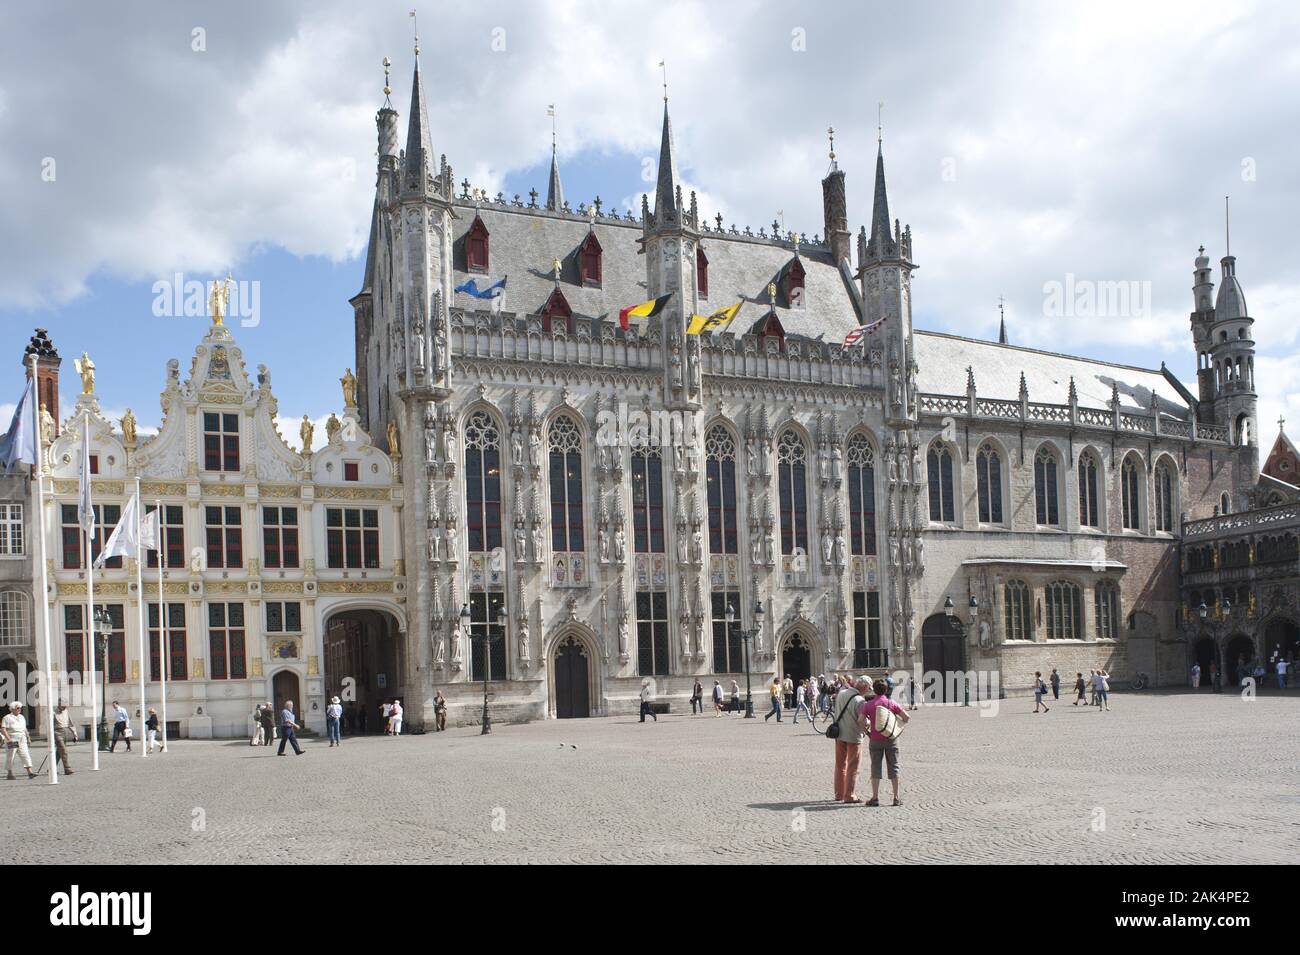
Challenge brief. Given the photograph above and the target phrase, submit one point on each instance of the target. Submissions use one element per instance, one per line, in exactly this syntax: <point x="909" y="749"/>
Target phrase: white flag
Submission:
<point x="18" y="445"/>
<point x="150" y="532"/>
<point x="127" y="537"/>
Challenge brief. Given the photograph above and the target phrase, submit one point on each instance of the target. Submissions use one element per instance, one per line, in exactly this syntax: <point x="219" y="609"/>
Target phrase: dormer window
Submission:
<point x="589" y="263"/>
<point x="557" y="308"/>
<point x="476" y="247"/>
<point x="769" y="326"/>
<point x="94" y="464"/>
<point x="701" y="272"/>
<point x="794" y="277"/>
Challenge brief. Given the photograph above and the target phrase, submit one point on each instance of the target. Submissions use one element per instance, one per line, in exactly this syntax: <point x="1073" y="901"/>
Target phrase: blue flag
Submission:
<point x="18" y="446"/>
<point x="492" y="291"/>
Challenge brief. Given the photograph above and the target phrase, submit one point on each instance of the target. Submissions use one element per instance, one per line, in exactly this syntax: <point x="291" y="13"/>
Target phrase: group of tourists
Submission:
<point x="1097" y="683"/>
<point x="858" y="719"/>
<point x="17" y="738"/>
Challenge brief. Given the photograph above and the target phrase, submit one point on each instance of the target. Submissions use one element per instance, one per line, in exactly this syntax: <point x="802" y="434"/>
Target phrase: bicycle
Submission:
<point x="1141" y="681"/>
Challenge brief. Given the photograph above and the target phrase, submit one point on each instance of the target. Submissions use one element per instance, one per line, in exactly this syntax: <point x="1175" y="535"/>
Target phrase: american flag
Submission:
<point x="862" y="331"/>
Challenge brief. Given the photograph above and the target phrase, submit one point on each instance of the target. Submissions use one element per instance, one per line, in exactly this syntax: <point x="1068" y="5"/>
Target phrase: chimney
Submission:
<point x="47" y="373"/>
<point x="836" y="214"/>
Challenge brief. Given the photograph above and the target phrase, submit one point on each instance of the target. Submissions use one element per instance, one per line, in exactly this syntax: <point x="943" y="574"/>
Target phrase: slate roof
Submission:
<point x="525" y="242"/>
<point x="942" y="361"/>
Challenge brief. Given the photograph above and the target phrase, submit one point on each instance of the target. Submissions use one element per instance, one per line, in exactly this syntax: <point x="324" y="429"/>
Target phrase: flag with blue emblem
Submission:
<point x="497" y="292"/>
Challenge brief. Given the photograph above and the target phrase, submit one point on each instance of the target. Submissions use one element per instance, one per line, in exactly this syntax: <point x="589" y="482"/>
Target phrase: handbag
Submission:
<point x="886" y="723"/>
<point x="127" y="732"/>
<point x="833" y="731"/>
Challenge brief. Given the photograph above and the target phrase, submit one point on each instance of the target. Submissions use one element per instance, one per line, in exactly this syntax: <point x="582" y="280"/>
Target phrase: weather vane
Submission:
<point x="415" y="28"/>
<point x="663" y="65"/>
<point x="388" y="89"/>
<point x="830" y="131"/>
<point x="880" y="123"/>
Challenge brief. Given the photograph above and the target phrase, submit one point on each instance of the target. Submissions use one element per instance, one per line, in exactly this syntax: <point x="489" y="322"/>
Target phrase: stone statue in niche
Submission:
<point x="620" y="546"/>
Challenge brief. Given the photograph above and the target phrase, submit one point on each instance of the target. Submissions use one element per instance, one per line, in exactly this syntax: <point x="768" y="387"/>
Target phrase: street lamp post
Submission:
<point x="1204" y="612"/>
<point x="950" y="611"/>
<point x="488" y="637"/>
<point x="103" y="623"/>
<point x="745" y="637"/>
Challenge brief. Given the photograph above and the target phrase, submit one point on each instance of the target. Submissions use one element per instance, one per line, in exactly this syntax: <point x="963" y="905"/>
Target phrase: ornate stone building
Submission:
<point x="282" y="571"/>
<point x="583" y="502"/>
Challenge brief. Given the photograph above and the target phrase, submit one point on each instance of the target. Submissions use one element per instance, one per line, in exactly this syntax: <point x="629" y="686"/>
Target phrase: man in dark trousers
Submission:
<point x="1056" y="685"/>
<point x="287" y="725"/>
<point x="268" y="724"/>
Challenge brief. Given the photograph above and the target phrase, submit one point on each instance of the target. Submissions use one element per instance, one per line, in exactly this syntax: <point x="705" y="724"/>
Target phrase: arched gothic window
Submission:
<point x="482" y="483"/>
<point x="1164" y="487"/>
<point x="1016" y="610"/>
<point x="862" y="496"/>
<point x="792" y="464"/>
<point x="647" y="500"/>
<point x="938" y="466"/>
<point x="1064" y="611"/>
<point x="1088" y="492"/>
<point x="720" y="474"/>
<point x="565" y="442"/>
<point x="1131" y="494"/>
<point x="988" y="480"/>
<point x="1046" y="489"/>
<point x="1106" y="601"/>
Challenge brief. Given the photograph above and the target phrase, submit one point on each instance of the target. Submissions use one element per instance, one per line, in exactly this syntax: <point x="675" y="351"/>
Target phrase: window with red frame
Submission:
<point x="589" y="261"/>
<point x="226" y="641"/>
<point x="701" y="272"/>
<point x="220" y="441"/>
<point x="175" y="638"/>
<point x="771" y="327"/>
<point x="351" y="471"/>
<point x="225" y="537"/>
<point x="173" y="537"/>
<point x="352" y="538"/>
<point x="106" y="518"/>
<point x="476" y="247"/>
<point x="74" y="635"/>
<point x="280" y="537"/>
<point x="794" y="287"/>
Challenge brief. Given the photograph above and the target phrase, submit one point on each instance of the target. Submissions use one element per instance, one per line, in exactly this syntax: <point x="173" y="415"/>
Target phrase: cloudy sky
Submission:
<point x="1024" y="143"/>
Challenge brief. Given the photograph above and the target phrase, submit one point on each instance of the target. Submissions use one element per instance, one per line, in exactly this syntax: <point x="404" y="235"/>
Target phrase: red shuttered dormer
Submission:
<point x="476" y="247"/>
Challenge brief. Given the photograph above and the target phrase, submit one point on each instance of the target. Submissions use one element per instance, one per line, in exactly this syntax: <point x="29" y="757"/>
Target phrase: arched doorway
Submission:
<point x="1238" y="659"/>
<point x="1206" y="654"/>
<point x="941" y="654"/>
<point x="286" y="686"/>
<point x="572" y="671"/>
<point x="796" y="658"/>
<point x="364" y="666"/>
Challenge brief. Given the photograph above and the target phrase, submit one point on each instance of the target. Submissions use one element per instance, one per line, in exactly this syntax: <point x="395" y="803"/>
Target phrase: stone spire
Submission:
<point x="667" y="208"/>
<point x="554" y="190"/>
<point x="419" y="163"/>
<point x="881" y="245"/>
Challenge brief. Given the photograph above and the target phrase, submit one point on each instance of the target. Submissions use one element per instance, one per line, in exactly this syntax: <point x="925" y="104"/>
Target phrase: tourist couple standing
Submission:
<point x="855" y="714"/>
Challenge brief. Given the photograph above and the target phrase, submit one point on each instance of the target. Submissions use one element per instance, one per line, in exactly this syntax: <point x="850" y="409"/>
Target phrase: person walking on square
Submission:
<point x="735" y="697"/>
<point x="13" y="731"/>
<point x="1056" y="685"/>
<point x="384" y="714"/>
<point x="439" y="712"/>
<point x="775" y="690"/>
<point x="1281" y="674"/>
<point x="1080" y="689"/>
<point x="1040" y="688"/>
<point x="646" y="696"/>
<point x="1103" y="689"/>
<point x="801" y="700"/>
<point x="395" y="716"/>
<point x="787" y="691"/>
<point x="882" y="747"/>
<point x="151" y="731"/>
<point x="717" y="699"/>
<point x="64" y="733"/>
<point x="1196" y="675"/>
<point x="259" y="734"/>
<point x="697" y="698"/>
<point x="333" y="715"/>
<point x="1215" y="683"/>
<point x="287" y="726"/>
<point x="121" y="727"/>
<point x="847" y="710"/>
<point x="1092" y="687"/>
<point x="268" y="724"/>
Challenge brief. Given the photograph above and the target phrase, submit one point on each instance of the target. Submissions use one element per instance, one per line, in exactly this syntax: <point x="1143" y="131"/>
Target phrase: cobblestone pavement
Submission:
<point x="1177" y="778"/>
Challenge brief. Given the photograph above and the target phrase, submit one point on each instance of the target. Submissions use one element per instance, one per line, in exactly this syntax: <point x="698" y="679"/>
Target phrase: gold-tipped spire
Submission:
<point x="388" y="89"/>
<point x="415" y="30"/>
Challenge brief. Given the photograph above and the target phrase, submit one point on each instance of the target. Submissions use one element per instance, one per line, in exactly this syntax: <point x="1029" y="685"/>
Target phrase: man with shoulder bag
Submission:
<point x="849" y="732"/>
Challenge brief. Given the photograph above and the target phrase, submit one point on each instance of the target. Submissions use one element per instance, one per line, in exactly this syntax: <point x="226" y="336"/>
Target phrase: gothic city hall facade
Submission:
<point x="537" y="495"/>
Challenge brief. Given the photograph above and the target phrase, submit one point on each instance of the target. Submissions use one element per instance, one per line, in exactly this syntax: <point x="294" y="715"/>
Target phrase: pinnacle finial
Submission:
<point x="415" y="30"/>
<point x="830" y="132"/>
<point x="388" y="89"/>
<point x="880" y="123"/>
<point x="663" y="65"/>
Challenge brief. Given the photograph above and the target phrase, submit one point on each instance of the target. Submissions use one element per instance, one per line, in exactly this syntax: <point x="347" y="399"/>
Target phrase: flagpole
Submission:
<point x="139" y="587"/>
<point x="90" y="594"/>
<point x="165" y="650"/>
<point x="51" y="700"/>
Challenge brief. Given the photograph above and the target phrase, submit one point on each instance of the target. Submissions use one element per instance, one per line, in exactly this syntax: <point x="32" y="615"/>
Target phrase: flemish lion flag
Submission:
<point x="645" y="310"/>
<point x="713" y="323"/>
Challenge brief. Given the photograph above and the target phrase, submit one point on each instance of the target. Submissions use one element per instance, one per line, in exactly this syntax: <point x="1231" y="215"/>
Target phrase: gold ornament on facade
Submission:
<point x="332" y="427"/>
<point x="219" y="300"/>
<point x="394" y="448"/>
<point x="349" y="383"/>
<point x="306" y="431"/>
<point x="128" y="428"/>
<point x="86" y="369"/>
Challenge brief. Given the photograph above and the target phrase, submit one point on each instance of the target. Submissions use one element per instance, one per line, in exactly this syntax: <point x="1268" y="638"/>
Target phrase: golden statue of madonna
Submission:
<point x="128" y="427"/>
<point x="86" y="369"/>
<point x="349" y="383"/>
<point x="219" y="300"/>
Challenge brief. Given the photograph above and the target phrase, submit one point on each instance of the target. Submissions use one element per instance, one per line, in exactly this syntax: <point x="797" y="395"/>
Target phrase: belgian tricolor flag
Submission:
<point x="645" y="310"/>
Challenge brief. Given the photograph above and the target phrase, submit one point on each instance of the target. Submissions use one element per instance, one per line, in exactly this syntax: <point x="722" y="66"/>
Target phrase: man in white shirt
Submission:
<point x="846" y="709"/>
<point x="13" y="730"/>
<point x="1281" y="673"/>
<point x="647" y="695"/>
<point x="121" y="727"/>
